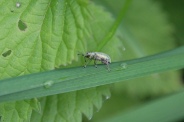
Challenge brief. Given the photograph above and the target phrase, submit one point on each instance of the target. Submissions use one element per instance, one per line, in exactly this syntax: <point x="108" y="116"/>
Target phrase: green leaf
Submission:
<point x="145" y="31"/>
<point x="42" y="35"/>
<point x="160" y="110"/>
<point x="15" y="111"/>
<point x="70" y="106"/>
<point x="175" y="14"/>
<point x="71" y="79"/>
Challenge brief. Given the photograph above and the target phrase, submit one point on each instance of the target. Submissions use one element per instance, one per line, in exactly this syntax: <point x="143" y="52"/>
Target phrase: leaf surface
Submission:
<point x="41" y="35"/>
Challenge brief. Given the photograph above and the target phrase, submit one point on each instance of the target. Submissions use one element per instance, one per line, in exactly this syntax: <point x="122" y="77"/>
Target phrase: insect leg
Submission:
<point x="108" y="67"/>
<point x="95" y="63"/>
<point x="95" y="59"/>
<point x="85" y="59"/>
<point x="87" y="62"/>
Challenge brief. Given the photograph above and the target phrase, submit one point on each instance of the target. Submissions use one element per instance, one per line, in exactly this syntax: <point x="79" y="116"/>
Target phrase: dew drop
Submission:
<point x="124" y="48"/>
<point x="48" y="84"/>
<point x="90" y="118"/>
<point x="107" y="97"/>
<point x="18" y="4"/>
<point x="123" y="66"/>
<point x="97" y="110"/>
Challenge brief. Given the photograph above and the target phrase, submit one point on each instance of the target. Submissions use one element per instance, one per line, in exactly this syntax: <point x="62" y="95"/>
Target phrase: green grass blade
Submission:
<point x="116" y="24"/>
<point x="72" y="79"/>
<point x="168" y="109"/>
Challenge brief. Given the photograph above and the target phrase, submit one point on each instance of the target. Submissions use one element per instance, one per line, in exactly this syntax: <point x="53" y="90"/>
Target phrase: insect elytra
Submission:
<point x="97" y="56"/>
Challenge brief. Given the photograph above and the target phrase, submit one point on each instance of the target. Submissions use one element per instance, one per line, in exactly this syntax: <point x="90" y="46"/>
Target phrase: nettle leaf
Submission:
<point x="17" y="111"/>
<point x="42" y="35"/>
<point x="69" y="107"/>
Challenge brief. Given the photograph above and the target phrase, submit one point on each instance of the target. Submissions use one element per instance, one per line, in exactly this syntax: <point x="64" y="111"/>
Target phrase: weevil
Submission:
<point x="97" y="56"/>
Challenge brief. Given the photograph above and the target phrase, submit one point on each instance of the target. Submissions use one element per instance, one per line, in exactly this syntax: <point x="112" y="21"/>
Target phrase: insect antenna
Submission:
<point x="80" y="53"/>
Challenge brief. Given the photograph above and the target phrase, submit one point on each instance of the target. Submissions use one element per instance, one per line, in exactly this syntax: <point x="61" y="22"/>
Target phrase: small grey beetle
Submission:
<point x="97" y="56"/>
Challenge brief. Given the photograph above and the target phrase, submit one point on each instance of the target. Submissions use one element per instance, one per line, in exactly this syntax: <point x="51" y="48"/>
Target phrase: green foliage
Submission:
<point x="175" y="14"/>
<point x="160" y="110"/>
<point x="67" y="80"/>
<point x="42" y="35"/>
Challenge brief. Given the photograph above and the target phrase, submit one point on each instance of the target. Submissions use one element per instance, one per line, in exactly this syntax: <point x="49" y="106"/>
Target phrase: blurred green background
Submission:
<point x="149" y="27"/>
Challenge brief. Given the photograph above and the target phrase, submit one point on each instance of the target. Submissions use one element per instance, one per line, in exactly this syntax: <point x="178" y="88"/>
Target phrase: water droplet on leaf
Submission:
<point x="18" y="4"/>
<point x="107" y="97"/>
<point x="124" y="48"/>
<point x="48" y="84"/>
<point x="90" y="118"/>
<point x="123" y="65"/>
